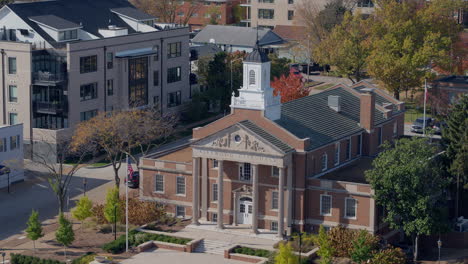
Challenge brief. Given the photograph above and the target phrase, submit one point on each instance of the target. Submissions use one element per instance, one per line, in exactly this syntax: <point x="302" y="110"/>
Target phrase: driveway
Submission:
<point x="163" y="256"/>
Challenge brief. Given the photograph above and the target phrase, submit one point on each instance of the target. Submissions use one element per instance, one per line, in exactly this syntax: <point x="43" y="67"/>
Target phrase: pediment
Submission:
<point x="238" y="139"/>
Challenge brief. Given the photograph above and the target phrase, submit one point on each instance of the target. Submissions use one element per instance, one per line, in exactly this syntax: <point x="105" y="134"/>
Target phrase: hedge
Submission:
<point x="136" y="238"/>
<point x="23" y="259"/>
<point x="85" y="259"/>
<point x="252" y="252"/>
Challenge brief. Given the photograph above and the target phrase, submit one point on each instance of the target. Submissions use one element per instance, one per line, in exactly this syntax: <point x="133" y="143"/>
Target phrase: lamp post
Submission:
<point x="231" y="72"/>
<point x="84" y="186"/>
<point x="3" y="257"/>
<point x="439" y="245"/>
<point x="300" y="247"/>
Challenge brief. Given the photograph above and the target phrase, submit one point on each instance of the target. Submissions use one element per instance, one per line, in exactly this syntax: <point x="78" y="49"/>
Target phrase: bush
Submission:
<point x="98" y="213"/>
<point x="85" y="259"/>
<point x="140" y="212"/>
<point x="117" y="246"/>
<point x="389" y="255"/>
<point x="342" y="240"/>
<point x="23" y="259"/>
<point x="252" y="252"/>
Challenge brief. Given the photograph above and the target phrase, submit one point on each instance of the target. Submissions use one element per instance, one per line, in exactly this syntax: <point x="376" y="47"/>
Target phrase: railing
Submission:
<point x="41" y="76"/>
<point x="50" y="107"/>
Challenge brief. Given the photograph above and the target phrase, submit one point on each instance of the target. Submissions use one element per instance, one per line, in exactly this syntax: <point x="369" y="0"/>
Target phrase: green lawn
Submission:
<point x="413" y="112"/>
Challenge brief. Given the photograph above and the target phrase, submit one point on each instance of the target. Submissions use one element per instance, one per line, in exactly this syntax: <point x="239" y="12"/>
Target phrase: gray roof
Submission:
<point x="206" y="50"/>
<point x="310" y="117"/>
<point x="257" y="55"/>
<point x="266" y="136"/>
<point x="54" y="21"/>
<point x="236" y="36"/>
<point x="132" y="13"/>
<point x="379" y="100"/>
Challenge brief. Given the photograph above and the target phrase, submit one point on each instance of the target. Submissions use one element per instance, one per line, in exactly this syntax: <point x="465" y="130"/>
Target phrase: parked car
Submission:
<point x="134" y="180"/>
<point x="438" y="127"/>
<point x="314" y="67"/>
<point x="418" y="124"/>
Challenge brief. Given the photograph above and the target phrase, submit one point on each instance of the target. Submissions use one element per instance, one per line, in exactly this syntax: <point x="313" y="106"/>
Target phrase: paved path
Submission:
<point x="164" y="256"/>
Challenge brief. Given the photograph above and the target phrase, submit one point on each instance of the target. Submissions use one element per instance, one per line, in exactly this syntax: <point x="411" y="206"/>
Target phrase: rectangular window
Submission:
<point x="266" y="1"/>
<point x="359" y="144"/>
<point x="180" y="188"/>
<point x="110" y="60"/>
<point x="266" y="13"/>
<point x="274" y="200"/>
<point x="395" y="129"/>
<point x="87" y="115"/>
<point x="13" y="118"/>
<point x="380" y="136"/>
<point x="156" y="53"/>
<point x="337" y="153"/>
<point x="325" y="204"/>
<point x="350" y="208"/>
<point x="3" y="145"/>
<point x="245" y="172"/>
<point x="156" y="78"/>
<point x="324" y="162"/>
<point x="174" y="74"/>
<point x="275" y="172"/>
<point x="14" y="142"/>
<point x="214" y="217"/>
<point x="13" y="93"/>
<point x="88" y="64"/>
<point x="138" y="81"/>
<point x="215" y="192"/>
<point x="348" y="149"/>
<point x="174" y="99"/>
<point x="156" y="100"/>
<point x="159" y="183"/>
<point x="110" y="87"/>
<point x="274" y="226"/>
<point x="174" y="49"/>
<point x="68" y="35"/>
<point x="88" y="91"/>
<point x="11" y="65"/>
<point x="215" y="163"/>
<point x="180" y="211"/>
<point x="290" y="14"/>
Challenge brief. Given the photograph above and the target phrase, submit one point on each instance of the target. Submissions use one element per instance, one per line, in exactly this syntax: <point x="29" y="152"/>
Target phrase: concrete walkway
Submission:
<point x="164" y="256"/>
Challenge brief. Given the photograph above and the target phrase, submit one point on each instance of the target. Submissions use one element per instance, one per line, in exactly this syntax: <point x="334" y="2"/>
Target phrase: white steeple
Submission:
<point x="256" y="93"/>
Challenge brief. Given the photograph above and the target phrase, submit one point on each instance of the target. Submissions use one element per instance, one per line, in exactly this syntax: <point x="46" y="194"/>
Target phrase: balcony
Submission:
<point x="52" y="108"/>
<point x="48" y="78"/>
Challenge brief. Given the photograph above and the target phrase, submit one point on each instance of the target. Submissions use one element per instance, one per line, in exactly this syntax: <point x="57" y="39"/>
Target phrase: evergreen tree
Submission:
<point x="218" y="81"/>
<point x="286" y="255"/>
<point x="112" y="206"/>
<point x="361" y="251"/>
<point x="325" y="251"/>
<point x="64" y="233"/>
<point x="83" y="209"/>
<point x="34" y="229"/>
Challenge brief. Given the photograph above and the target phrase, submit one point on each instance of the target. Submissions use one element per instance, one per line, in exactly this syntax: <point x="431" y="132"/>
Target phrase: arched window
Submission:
<point x="251" y="77"/>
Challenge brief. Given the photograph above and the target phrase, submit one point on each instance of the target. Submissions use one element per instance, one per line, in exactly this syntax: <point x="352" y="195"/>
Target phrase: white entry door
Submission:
<point x="244" y="213"/>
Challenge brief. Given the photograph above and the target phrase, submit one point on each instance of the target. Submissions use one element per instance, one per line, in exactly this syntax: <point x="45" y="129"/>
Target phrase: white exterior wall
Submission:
<point x="140" y="27"/>
<point x="12" y="158"/>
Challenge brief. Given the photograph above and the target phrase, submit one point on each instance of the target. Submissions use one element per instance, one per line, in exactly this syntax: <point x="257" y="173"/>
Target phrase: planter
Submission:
<point x="189" y="247"/>
<point x="228" y="253"/>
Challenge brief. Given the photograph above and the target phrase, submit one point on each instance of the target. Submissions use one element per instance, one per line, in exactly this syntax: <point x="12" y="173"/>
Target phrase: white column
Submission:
<point x="220" y="194"/>
<point x="281" y="203"/>
<point x="255" y="198"/>
<point x="204" y="189"/>
<point x="195" y="193"/>
<point x="290" y="200"/>
<point x="235" y="208"/>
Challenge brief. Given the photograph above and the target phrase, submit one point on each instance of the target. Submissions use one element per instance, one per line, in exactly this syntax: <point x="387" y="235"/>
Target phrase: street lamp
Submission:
<point x="439" y="245"/>
<point x="84" y="186"/>
<point x="231" y="72"/>
<point x="3" y="257"/>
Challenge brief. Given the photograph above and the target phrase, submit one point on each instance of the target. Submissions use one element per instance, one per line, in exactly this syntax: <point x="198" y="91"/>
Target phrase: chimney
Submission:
<point x="367" y="99"/>
<point x="334" y="102"/>
<point x="388" y="109"/>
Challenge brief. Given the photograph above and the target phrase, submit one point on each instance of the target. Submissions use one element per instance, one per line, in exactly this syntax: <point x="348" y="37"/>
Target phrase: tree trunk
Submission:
<point x="396" y="94"/>
<point x="61" y="203"/>
<point x="415" y="253"/>
<point x="34" y="246"/>
<point x="116" y="176"/>
<point x="65" y="253"/>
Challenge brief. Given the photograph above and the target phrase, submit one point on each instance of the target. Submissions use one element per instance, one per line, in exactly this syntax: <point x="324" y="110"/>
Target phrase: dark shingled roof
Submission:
<point x="92" y="14"/>
<point x="257" y="55"/>
<point x="54" y="22"/>
<point x="132" y="13"/>
<point x="310" y="117"/>
<point x="266" y="136"/>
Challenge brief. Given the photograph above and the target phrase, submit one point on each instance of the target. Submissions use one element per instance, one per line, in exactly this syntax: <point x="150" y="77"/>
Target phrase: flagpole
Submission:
<point x="126" y="209"/>
<point x="424" y="115"/>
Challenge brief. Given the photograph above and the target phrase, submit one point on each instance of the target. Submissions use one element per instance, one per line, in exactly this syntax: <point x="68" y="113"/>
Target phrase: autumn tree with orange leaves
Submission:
<point x="289" y="87"/>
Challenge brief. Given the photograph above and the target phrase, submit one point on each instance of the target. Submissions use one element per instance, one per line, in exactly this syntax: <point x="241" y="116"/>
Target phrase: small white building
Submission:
<point x="11" y="154"/>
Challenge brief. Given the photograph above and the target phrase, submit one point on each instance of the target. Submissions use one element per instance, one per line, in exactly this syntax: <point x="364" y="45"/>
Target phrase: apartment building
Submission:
<point x="11" y="155"/>
<point x="65" y="61"/>
<point x="275" y="167"/>
<point x="205" y="12"/>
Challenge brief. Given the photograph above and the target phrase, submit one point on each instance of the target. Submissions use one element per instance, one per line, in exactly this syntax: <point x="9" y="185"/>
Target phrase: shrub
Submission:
<point x="140" y="212"/>
<point x="285" y="255"/>
<point x="115" y="247"/>
<point x="85" y="259"/>
<point x="23" y="259"/>
<point x="361" y="251"/>
<point x="389" y="255"/>
<point x="98" y="213"/>
<point x="252" y="252"/>
<point x="326" y="250"/>
<point x="342" y="240"/>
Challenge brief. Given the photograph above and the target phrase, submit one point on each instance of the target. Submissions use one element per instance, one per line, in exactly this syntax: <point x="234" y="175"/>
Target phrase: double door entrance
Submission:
<point x="244" y="214"/>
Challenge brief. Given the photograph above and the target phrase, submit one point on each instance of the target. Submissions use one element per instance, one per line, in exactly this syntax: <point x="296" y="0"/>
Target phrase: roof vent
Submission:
<point x="334" y="102"/>
<point x="213" y="41"/>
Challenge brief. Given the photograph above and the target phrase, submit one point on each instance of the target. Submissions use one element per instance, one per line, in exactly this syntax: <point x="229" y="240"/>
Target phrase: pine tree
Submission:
<point x="83" y="209"/>
<point x="112" y="206"/>
<point x="64" y="233"/>
<point x="34" y="229"/>
<point x="325" y="251"/>
<point x="285" y="255"/>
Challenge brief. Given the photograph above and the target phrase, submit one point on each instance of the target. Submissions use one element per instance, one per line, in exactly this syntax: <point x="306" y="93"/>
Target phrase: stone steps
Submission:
<point x="213" y="247"/>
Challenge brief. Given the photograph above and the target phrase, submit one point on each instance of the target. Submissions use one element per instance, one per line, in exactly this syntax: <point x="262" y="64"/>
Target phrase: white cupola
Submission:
<point x="256" y="93"/>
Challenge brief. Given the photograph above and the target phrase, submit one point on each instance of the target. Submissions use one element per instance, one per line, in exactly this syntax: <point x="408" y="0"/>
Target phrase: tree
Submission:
<point x="279" y="66"/>
<point x="346" y="47"/>
<point x="34" y="229"/>
<point x="333" y="13"/>
<point x="361" y="251"/>
<point x="214" y="13"/>
<point x="112" y="206"/>
<point x="290" y="88"/>
<point x="83" y="209"/>
<point x="410" y="186"/>
<point x="218" y="81"/>
<point x="54" y="157"/>
<point x="404" y="43"/>
<point x="286" y="255"/>
<point x="325" y="251"/>
<point x="64" y="233"/>
<point x="167" y="11"/>
<point x="455" y="139"/>
<point x="132" y="132"/>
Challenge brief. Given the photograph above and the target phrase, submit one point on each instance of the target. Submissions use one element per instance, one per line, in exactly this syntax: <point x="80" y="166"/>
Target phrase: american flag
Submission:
<point x="129" y="169"/>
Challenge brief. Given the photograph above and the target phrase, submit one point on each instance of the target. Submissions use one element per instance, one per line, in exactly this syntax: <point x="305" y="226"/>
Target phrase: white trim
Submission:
<point x="272" y="171"/>
<point x="346" y="208"/>
<point x="180" y="206"/>
<point x="185" y="186"/>
<point x="241" y="165"/>
<point x="321" y="208"/>
<point x="326" y="162"/>
<point x="337" y="152"/>
<point x="163" y="180"/>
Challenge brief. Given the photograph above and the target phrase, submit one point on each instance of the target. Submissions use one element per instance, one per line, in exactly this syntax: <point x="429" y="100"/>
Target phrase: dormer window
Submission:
<point x="251" y="77"/>
<point x="68" y="35"/>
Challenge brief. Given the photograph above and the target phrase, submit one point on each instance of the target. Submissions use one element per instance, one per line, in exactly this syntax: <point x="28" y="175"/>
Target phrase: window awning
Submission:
<point x="136" y="53"/>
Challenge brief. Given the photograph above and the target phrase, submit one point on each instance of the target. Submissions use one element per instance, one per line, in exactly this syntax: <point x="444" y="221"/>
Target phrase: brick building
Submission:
<point x="280" y="167"/>
<point x="221" y="11"/>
